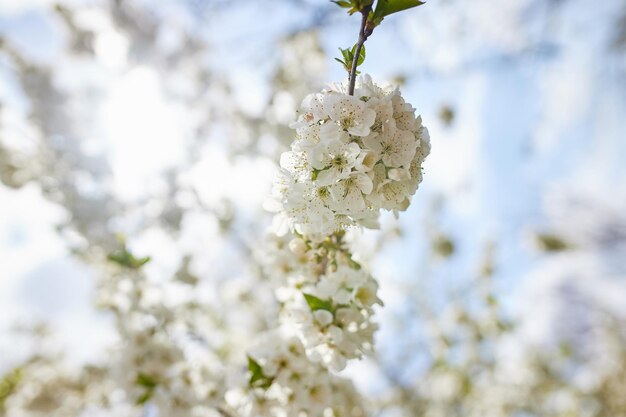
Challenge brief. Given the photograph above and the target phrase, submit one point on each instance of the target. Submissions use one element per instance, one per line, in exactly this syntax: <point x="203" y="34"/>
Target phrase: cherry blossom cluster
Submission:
<point x="44" y="384"/>
<point x="154" y="364"/>
<point x="283" y="382"/>
<point x="352" y="157"/>
<point x="328" y="298"/>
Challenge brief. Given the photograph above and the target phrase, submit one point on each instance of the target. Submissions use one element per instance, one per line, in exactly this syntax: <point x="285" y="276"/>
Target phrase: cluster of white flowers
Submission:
<point x="153" y="365"/>
<point x="326" y="297"/>
<point x="283" y="382"/>
<point x="45" y="384"/>
<point x="330" y="303"/>
<point x="353" y="156"/>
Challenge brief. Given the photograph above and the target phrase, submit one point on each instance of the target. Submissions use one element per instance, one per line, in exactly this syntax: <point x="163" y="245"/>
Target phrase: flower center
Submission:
<point x="323" y="192"/>
<point x="339" y="161"/>
<point x="348" y="121"/>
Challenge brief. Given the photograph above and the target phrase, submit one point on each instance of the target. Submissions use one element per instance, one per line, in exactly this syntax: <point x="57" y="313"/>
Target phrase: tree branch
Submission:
<point x="364" y="32"/>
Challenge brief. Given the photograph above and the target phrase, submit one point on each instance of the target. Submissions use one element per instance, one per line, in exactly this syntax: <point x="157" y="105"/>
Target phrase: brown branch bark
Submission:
<point x="364" y="32"/>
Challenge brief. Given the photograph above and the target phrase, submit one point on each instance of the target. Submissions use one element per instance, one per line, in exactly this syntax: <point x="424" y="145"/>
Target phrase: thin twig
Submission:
<point x="364" y="32"/>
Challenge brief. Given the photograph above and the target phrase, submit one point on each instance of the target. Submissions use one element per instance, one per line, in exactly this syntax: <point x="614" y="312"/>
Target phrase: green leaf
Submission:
<point x="552" y="243"/>
<point x="146" y="381"/>
<point x="8" y="384"/>
<point x="347" y="58"/>
<point x="387" y="7"/>
<point x="342" y="3"/>
<point x="149" y="383"/>
<point x="257" y="379"/>
<point x="361" y="54"/>
<point x="317" y="303"/>
<point x="353" y="264"/>
<point x="255" y="370"/>
<point x="347" y="54"/>
<point x="144" y="398"/>
<point x="353" y="6"/>
<point x="126" y="259"/>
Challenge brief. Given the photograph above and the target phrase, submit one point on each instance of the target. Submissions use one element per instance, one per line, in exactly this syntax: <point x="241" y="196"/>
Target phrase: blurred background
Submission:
<point x="137" y="128"/>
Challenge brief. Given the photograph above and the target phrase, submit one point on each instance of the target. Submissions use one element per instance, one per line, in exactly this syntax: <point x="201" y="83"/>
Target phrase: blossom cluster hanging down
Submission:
<point x="326" y="296"/>
<point x="283" y="382"/>
<point x="353" y="155"/>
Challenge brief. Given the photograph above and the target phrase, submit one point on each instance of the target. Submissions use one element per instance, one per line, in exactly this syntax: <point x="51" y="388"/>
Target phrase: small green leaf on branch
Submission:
<point x="124" y="258"/>
<point x="144" y="398"/>
<point x="317" y="303"/>
<point x="348" y="57"/>
<point x="257" y="379"/>
<point x="353" y="6"/>
<point x="386" y="7"/>
<point x="342" y="3"/>
<point x="347" y="54"/>
<point x="147" y="382"/>
<point x="361" y="54"/>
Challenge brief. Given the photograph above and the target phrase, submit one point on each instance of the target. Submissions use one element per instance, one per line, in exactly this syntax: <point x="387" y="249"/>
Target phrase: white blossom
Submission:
<point x="353" y="155"/>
